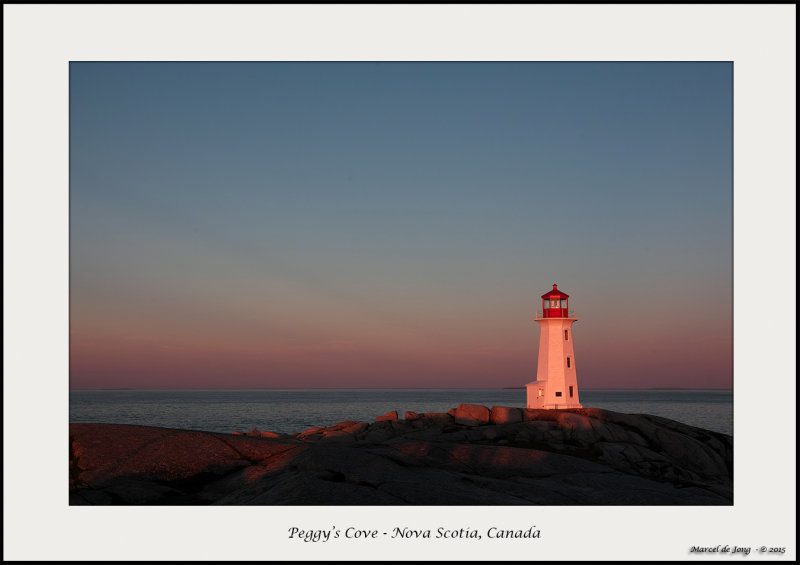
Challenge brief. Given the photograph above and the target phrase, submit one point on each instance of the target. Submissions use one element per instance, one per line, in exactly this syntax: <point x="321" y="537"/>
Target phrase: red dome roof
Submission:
<point x="555" y="293"/>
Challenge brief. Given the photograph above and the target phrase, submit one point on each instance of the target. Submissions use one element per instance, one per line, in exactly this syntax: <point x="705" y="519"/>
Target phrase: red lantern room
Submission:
<point x="554" y="304"/>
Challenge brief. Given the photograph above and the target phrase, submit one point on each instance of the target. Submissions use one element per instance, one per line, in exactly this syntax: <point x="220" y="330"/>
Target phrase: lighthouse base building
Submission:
<point x="556" y="384"/>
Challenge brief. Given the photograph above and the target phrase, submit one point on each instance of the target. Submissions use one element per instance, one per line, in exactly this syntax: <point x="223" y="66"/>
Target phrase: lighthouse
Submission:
<point x="556" y="384"/>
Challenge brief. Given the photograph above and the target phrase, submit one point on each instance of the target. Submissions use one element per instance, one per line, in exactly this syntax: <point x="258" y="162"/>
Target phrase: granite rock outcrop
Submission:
<point x="472" y="455"/>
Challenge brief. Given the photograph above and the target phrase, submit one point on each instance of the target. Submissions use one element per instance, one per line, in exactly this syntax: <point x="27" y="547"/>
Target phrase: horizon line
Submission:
<point x="396" y="388"/>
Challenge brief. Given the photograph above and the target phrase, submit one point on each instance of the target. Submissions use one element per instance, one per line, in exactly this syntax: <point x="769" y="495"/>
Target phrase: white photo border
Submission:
<point x="41" y="40"/>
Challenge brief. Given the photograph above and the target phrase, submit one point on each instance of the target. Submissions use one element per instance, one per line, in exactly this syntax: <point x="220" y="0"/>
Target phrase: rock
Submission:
<point x="401" y="425"/>
<point x="429" y="433"/>
<point x="254" y="433"/>
<point x="379" y="433"/>
<point x="419" y="423"/>
<point x="337" y="435"/>
<point x="355" y="428"/>
<point x="238" y="433"/>
<point x="388" y="417"/>
<point x="537" y="431"/>
<point x="472" y="415"/>
<point x="452" y="412"/>
<point x="608" y="431"/>
<point x="529" y="414"/>
<point x="131" y="491"/>
<point x="343" y="431"/>
<point x="576" y="428"/>
<point x="412" y="416"/>
<point x="505" y="415"/>
<point x="311" y="434"/>
<point x="89" y="496"/>
<point x="104" y="452"/>
<point x="438" y="418"/>
<point x="341" y="425"/>
<point x="471" y="455"/>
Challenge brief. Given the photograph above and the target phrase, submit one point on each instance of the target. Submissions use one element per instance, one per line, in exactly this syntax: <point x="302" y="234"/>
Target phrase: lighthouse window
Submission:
<point x="558" y="394"/>
<point x="570" y="392"/>
<point x="566" y="335"/>
<point x="567" y="362"/>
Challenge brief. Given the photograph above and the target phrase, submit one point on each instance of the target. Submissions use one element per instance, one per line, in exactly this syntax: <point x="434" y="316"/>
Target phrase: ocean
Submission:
<point x="288" y="411"/>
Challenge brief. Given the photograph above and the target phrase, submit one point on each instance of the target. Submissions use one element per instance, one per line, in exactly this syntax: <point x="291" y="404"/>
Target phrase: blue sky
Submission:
<point x="297" y="224"/>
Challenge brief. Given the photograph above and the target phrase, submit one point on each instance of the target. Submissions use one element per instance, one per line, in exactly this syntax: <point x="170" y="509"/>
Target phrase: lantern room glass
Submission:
<point x="554" y="306"/>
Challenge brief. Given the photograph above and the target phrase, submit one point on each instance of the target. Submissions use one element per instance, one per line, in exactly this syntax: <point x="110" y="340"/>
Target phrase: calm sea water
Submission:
<point x="290" y="411"/>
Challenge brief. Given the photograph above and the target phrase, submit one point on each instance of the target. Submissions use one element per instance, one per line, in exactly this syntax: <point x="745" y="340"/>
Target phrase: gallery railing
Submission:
<point x="550" y="314"/>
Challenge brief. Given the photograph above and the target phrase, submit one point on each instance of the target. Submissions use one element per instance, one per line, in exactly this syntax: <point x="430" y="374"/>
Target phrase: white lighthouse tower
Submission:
<point x="556" y="385"/>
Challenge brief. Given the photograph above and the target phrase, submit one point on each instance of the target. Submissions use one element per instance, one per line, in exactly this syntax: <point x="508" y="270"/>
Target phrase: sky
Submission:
<point x="393" y="225"/>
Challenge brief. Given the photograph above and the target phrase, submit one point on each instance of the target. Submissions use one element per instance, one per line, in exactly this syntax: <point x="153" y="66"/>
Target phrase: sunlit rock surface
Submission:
<point x="389" y="416"/>
<point x="472" y="455"/>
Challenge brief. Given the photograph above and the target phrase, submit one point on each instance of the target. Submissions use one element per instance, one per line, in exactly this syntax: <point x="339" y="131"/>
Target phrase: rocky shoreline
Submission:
<point x="471" y="455"/>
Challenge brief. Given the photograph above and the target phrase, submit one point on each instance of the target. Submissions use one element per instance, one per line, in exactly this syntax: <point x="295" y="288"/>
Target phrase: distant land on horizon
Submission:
<point x="388" y="388"/>
<point x="647" y="388"/>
